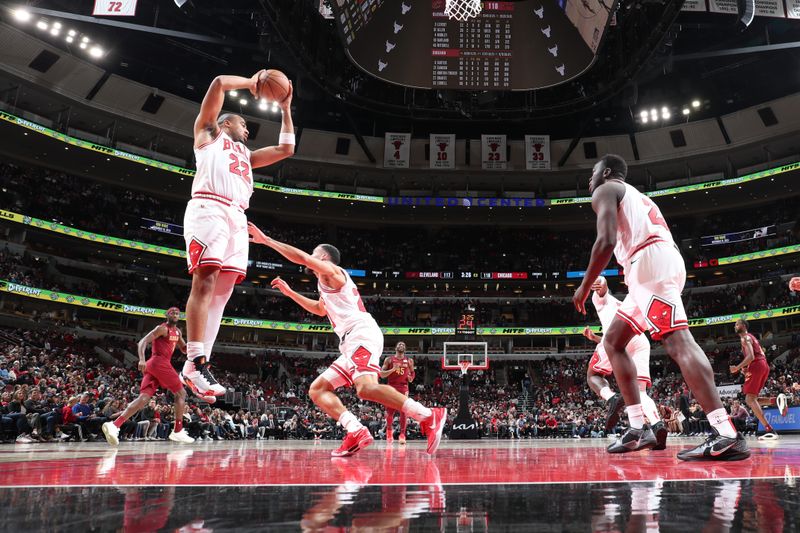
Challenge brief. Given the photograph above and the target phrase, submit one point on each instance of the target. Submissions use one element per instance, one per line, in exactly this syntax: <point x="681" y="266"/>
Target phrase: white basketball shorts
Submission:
<point x="216" y="235"/>
<point x="361" y="350"/>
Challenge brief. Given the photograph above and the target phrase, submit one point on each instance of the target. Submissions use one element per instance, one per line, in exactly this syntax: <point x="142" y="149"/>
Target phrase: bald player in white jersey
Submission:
<point x="215" y="226"/>
<point x="360" y="345"/>
<point x="638" y="349"/>
<point x="630" y="226"/>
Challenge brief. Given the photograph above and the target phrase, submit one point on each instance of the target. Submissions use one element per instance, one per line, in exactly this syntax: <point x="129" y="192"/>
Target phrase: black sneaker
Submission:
<point x="615" y="405"/>
<point x="718" y="448"/>
<point x="660" y="431"/>
<point x="634" y="440"/>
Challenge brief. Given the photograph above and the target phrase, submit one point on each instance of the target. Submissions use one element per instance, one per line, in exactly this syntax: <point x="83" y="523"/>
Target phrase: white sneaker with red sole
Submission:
<point x="433" y="426"/>
<point x="197" y="376"/>
<point x="353" y="442"/>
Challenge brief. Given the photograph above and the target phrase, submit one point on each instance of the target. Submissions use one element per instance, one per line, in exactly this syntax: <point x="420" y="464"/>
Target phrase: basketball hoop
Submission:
<point x="464" y="364"/>
<point x="462" y="10"/>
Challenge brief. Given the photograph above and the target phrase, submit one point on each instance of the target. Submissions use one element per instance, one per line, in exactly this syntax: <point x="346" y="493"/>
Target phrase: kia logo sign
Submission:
<point x="464" y="427"/>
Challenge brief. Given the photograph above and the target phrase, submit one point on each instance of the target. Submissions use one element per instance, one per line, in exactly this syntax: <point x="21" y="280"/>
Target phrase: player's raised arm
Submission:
<point x="285" y="148"/>
<point x="158" y="331"/>
<point x="295" y="255"/>
<point x="605" y="200"/>
<point x="312" y="306"/>
<point x="205" y="125"/>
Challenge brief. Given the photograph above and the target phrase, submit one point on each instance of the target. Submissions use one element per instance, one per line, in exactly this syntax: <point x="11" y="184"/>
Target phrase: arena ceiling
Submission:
<point x="654" y="56"/>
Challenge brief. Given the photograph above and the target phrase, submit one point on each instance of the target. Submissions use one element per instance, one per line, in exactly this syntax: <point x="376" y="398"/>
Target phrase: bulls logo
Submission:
<point x="661" y="314"/>
<point x="361" y="358"/>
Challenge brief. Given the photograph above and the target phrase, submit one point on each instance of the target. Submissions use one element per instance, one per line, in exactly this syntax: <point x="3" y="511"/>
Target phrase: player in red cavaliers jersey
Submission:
<point x="631" y="227"/>
<point x="360" y="345"/>
<point x="756" y="371"/>
<point x="215" y="226"/>
<point x="399" y="372"/>
<point x="158" y="372"/>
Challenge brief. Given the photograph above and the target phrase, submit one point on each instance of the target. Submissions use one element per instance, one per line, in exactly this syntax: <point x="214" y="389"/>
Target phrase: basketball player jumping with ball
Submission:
<point x="215" y="226"/>
<point x="360" y="343"/>
<point x="630" y="226"/>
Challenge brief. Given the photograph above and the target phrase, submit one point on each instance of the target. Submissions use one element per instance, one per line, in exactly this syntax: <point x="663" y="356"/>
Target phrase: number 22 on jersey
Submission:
<point x="240" y="168"/>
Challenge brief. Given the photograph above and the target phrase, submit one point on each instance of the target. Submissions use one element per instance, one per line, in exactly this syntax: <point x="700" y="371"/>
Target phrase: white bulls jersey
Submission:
<point x="606" y="309"/>
<point x="223" y="171"/>
<point x="344" y="306"/>
<point x="639" y="223"/>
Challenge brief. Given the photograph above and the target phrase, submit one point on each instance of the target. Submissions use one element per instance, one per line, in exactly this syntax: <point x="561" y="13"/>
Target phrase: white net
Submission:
<point x="462" y="9"/>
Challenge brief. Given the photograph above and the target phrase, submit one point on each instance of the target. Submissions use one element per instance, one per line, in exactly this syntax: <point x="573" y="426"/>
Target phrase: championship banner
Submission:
<point x="117" y="307"/>
<point x="723" y="6"/>
<point x="738" y="236"/>
<point x="396" y="150"/>
<point x="770" y="8"/>
<point x="694" y="5"/>
<point x="793" y="9"/>
<point x="112" y="8"/>
<point x="443" y="151"/>
<point x="537" y="152"/>
<point x="493" y="152"/>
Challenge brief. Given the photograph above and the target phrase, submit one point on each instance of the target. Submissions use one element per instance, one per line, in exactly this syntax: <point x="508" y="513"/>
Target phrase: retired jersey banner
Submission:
<point x="396" y="150"/>
<point x="694" y="5"/>
<point x="443" y="150"/>
<point x="793" y="9"/>
<point x="537" y="152"/>
<point x="112" y="8"/>
<point x="493" y="152"/>
<point x="723" y="6"/>
<point x="770" y="8"/>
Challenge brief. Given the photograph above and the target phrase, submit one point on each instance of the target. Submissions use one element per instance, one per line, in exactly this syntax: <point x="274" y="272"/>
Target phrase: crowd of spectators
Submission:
<point x="55" y="388"/>
<point x="119" y="212"/>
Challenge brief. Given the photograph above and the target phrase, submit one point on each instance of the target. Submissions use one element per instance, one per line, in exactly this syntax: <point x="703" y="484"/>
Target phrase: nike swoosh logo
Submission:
<point x="634" y="260"/>
<point x="720" y="452"/>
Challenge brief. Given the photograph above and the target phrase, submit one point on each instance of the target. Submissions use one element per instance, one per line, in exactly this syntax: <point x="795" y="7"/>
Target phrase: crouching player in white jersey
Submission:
<point x="361" y="346"/>
<point x="631" y="227"/>
<point x="637" y="349"/>
<point x="215" y="226"/>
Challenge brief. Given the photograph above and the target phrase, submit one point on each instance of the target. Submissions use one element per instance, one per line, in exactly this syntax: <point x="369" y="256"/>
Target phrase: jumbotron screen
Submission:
<point x="523" y="45"/>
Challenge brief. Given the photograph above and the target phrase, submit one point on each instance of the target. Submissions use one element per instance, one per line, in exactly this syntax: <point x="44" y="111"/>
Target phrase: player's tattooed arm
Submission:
<point x="158" y="331"/>
<point x="316" y="307"/>
<point x="205" y="125"/>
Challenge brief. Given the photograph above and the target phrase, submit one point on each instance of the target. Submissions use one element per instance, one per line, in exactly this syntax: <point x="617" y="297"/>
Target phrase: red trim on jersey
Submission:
<point x="644" y="379"/>
<point x="240" y="278"/>
<point x="653" y="239"/>
<point x="630" y="321"/>
<point x="219" y="134"/>
<point x="341" y="371"/>
<point x="214" y="194"/>
<point x="657" y="336"/>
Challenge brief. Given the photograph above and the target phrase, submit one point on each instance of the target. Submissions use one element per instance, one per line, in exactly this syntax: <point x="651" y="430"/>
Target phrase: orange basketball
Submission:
<point x="273" y="85"/>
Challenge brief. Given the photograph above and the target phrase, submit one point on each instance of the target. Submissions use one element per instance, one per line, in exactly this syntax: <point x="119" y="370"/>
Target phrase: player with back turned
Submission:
<point x="631" y="227"/>
<point x="215" y="225"/>
<point x="399" y="372"/>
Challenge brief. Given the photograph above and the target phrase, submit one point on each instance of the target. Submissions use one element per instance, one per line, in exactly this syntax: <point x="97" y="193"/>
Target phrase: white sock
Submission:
<point x="194" y="349"/>
<point x="416" y="410"/>
<point x="349" y="422"/>
<point x="635" y="416"/>
<point x="649" y="408"/>
<point x="222" y="293"/>
<point x="720" y="421"/>
<point x="606" y="393"/>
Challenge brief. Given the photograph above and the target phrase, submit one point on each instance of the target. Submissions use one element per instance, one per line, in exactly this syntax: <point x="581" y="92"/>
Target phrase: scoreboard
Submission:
<point x="466" y="323"/>
<point x="518" y="45"/>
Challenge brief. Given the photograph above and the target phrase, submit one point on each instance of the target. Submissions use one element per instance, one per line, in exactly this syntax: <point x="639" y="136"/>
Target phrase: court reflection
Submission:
<point x="355" y="505"/>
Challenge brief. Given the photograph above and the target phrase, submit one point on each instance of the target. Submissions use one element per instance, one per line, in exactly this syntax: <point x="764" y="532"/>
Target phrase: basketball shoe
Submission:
<point x="615" y="406"/>
<point x="197" y="376"/>
<point x="660" y="431"/>
<point x="402" y="438"/>
<point x="353" y="442"/>
<point x="111" y="433"/>
<point x="718" y="448"/>
<point x="433" y="426"/>
<point x="180" y="436"/>
<point x="634" y="440"/>
<point x="769" y="434"/>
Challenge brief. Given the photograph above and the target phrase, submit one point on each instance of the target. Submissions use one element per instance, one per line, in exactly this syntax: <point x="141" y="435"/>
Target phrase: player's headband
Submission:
<point x="171" y="309"/>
